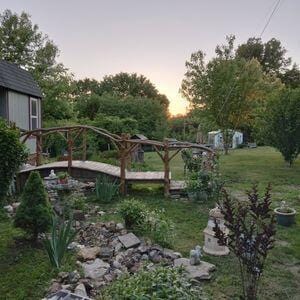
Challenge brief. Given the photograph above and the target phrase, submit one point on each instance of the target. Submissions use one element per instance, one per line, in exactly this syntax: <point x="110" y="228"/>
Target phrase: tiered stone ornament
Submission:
<point x="211" y="245"/>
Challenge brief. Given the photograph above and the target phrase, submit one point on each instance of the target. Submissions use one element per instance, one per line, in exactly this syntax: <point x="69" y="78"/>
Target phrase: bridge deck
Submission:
<point x="97" y="167"/>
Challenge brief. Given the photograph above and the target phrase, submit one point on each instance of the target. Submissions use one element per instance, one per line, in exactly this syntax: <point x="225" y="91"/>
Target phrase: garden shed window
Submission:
<point x="34" y="116"/>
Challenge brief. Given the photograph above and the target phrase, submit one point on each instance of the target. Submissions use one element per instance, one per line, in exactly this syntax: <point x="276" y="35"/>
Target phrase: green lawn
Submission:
<point x="24" y="270"/>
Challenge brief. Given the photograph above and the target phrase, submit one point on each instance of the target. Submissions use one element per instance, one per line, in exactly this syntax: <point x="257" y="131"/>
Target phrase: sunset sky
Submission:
<point x="154" y="37"/>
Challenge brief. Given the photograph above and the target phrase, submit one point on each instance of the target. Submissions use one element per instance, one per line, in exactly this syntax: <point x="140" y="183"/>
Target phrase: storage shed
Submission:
<point x="20" y="99"/>
<point x="215" y="138"/>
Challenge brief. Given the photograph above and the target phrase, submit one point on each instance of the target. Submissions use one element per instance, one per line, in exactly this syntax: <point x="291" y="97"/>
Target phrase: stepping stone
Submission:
<point x="198" y="272"/>
<point x="129" y="240"/>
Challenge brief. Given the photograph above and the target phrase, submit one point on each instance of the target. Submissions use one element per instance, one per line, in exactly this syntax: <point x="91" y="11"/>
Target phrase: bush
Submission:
<point x="152" y="223"/>
<point x="106" y="189"/>
<point x="158" y="227"/>
<point x="34" y="213"/>
<point x="204" y="185"/>
<point x="160" y="283"/>
<point x="12" y="155"/>
<point x="132" y="211"/>
<point x="56" y="245"/>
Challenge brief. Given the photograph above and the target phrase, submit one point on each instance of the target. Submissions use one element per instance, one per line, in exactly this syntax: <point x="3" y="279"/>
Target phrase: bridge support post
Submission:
<point x="166" y="161"/>
<point x="84" y="137"/>
<point x="38" y="159"/>
<point x="70" y="151"/>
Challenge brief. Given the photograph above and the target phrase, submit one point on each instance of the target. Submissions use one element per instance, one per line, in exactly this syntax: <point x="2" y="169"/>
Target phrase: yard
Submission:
<point x="25" y="272"/>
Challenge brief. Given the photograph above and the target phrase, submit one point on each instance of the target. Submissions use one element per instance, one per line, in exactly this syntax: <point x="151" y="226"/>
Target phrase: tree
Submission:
<point x="125" y="85"/>
<point x="12" y="155"/>
<point x="279" y="123"/>
<point x="34" y="213"/>
<point x="252" y="229"/>
<point x="291" y="77"/>
<point x="226" y="88"/>
<point x="22" y="43"/>
<point x="271" y="55"/>
<point x="148" y="113"/>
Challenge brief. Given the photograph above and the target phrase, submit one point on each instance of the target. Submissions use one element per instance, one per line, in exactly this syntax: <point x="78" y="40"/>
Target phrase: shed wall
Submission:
<point x="19" y="109"/>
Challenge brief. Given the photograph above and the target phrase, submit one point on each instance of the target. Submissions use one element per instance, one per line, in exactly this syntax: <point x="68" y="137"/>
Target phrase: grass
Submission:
<point x="241" y="168"/>
<point x="25" y="271"/>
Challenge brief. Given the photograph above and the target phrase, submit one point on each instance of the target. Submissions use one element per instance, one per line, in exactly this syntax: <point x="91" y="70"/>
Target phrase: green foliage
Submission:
<point x="151" y="223"/>
<point x="106" y="189"/>
<point x="132" y="211"/>
<point x="279" y="124"/>
<point x="34" y="213"/>
<point x="228" y="88"/>
<point x="56" y="245"/>
<point x="132" y="114"/>
<point x="271" y="55"/>
<point x="204" y="185"/>
<point x="160" y="283"/>
<point x="158" y="227"/>
<point x="12" y="155"/>
<point x="62" y="175"/>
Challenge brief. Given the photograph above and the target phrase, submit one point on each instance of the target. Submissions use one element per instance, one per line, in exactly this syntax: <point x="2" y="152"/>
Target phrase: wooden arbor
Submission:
<point x="166" y="150"/>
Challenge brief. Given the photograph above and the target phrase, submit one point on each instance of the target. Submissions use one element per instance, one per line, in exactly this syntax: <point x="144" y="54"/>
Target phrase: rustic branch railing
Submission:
<point x="123" y="143"/>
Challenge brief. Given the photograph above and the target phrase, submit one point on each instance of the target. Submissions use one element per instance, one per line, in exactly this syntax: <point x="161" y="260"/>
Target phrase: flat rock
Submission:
<point x="198" y="272"/>
<point x="80" y="290"/>
<point x="88" y="253"/>
<point x="95" y="269"/>
<point x="129" y="240"/>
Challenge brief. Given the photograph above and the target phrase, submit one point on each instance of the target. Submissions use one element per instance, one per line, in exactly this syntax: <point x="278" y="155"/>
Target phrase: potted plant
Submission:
<point x="63" y="177"/>
<point x="285" y="215"/>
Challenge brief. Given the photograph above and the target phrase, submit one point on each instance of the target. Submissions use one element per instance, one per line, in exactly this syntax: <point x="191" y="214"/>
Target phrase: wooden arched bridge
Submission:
<point x="166" y="150"/>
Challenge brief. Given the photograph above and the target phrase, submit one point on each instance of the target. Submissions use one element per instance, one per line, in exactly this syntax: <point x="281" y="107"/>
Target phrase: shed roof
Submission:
<point x="17" y="79"/>
<point x="139" y="136"/>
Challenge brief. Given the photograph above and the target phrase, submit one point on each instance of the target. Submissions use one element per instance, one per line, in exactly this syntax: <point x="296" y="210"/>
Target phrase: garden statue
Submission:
<point x="195" y="256"/>
<point x="52" y="175"/>
<point x="211" y="245"/>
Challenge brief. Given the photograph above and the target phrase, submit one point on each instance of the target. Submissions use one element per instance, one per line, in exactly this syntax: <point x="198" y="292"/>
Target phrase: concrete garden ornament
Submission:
<point x="195" y="256"/>
<point x="211" y="245"/>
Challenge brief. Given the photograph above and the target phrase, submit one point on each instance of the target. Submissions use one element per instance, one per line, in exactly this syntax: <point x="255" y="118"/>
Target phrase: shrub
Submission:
<point x="158" y="227"/>
<point x="132" y="211"/>
<point x="56" y="245"/>
<point x="204" y="185"/>
<point x="152" y="223"/>
<point x="160" y="283"/>
<point x="12" y="155"/>
<point x="106" y="189"/>
<point x="251" y="227"/>
<point x="34" y="213"/>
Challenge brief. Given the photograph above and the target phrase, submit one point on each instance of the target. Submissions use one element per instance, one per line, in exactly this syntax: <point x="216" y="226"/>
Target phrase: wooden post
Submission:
<point x="38" y="159"/>
<point x="70" y="150"/>
<point x="166" y="169"/>
<point x="123" y="153"/>
<point x="84" y="144"/>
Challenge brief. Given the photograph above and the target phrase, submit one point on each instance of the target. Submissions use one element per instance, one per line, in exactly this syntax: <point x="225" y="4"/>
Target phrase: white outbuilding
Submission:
<point x="215" y="138"/>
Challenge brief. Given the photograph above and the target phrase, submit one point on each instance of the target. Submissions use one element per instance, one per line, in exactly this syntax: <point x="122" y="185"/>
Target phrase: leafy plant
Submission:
<point x="56" y="245"/>
<point x="158" y="227"/>
<point x="12" y="155"/>
<point x="204" y="185"/>
<point x="34" y="212"/>
<point x="251" y="227"/>
<point x="106" y="189"/>
<point x="62" y="175"/>
<point x="132" y="211"/>
<point x="160" y="283"/>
